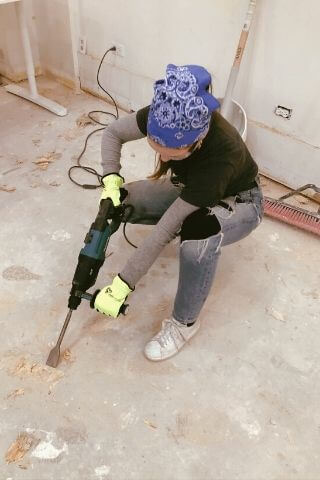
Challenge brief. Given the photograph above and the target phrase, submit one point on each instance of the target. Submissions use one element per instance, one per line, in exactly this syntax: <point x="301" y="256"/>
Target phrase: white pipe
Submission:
<point x="237" y="59"/>
<point x="74" y="22"/>
<point x="250" y="12"/>
<point x="21" y="12"/>
<point x="32" y="94"/>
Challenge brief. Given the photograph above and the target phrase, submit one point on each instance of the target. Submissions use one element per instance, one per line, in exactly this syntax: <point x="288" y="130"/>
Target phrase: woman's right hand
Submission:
<point x="111" y="188"/>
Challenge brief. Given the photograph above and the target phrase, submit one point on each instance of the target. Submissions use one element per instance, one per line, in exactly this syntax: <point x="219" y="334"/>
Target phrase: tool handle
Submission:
<point x="105" y="213"/>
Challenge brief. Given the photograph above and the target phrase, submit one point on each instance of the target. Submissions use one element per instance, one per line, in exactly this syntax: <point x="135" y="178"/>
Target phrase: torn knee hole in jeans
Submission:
<point x="199" y="226"/>
<point x="200" y="247"/>
<point x="204" y="244"/>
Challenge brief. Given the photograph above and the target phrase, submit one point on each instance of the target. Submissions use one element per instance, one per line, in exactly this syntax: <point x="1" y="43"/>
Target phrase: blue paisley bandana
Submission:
<point x="181" y="108"/>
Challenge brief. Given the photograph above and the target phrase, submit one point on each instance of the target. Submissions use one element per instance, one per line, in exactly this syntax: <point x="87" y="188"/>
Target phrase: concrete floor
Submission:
<point x="240" y="402"/>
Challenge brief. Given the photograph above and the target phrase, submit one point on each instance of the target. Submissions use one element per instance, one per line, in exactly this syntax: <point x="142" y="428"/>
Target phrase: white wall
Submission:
<point x="280" y="65"/>
<point x="54" y="38"/>
<point x="12" y="64"/>
<point x="154" y="34"/>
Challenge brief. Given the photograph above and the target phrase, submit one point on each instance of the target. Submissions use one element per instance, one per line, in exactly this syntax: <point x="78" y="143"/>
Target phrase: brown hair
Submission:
<point x="161" y="168"/>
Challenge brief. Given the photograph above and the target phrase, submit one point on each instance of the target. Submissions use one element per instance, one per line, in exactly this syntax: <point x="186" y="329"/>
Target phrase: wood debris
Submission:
<point x="67" y="356"/>
<point x="54" y="184"/>
<point x="24" y="368"/>
<point x="43" y="164"/>
<point x="53" y="156"/>
<point x="19" y="447"/>
<point x="84" y="120"/>
<point x="150" y="424"/>
<point x="275" y="314"/>
<point x="302" y="200"/>
<point x="5" y="188"/>
<point x="313" y="294"/>
<point x="44" y="161"/>
<point x="16" y="393"/>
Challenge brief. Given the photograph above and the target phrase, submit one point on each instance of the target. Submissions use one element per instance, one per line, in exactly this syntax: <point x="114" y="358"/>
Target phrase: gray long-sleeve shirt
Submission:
<point x="114" y="136"/>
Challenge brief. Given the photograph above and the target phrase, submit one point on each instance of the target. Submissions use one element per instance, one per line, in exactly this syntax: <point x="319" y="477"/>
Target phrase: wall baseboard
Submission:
<point x="103" y="97"/>
<point x="17" y="76"/>
<point x="64" y="80"/>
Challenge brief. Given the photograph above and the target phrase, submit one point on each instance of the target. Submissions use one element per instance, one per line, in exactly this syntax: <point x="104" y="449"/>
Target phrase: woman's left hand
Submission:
<point x="111" y="298"/>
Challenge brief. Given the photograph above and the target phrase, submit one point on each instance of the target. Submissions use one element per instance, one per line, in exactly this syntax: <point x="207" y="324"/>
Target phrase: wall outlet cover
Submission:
<point x="284" y="112"/>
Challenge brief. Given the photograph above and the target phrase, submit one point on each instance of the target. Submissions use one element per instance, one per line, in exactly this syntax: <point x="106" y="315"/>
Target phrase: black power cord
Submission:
<point x="89" y="169"/>
<point x="83" y="167"/>
<point x="131" y="208"/>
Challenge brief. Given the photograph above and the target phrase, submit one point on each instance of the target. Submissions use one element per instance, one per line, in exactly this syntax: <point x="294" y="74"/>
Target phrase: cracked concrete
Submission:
<point x="240" y="402"/>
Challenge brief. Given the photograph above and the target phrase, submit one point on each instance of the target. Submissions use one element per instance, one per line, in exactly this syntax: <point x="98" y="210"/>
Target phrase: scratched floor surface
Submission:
<point x="240" y="402"/>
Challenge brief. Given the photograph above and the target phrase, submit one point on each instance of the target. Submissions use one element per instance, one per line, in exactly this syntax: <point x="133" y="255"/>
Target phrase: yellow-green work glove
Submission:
<point x="111" y="188"/>
<point x="111" y="298"/>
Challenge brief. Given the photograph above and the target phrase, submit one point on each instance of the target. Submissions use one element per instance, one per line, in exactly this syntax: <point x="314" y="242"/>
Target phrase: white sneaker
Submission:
<point x="171" y="338"/>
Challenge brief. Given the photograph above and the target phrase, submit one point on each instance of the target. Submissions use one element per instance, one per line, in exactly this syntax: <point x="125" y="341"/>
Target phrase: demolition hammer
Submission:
<point x="90" y="260"/>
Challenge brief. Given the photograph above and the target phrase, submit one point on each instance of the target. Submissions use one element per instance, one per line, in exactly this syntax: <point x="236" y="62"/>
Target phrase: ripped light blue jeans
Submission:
<point x="198" y="258"/>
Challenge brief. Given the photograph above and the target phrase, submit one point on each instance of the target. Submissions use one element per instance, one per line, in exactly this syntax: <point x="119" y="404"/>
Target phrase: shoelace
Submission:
<point x="169" y="332"/>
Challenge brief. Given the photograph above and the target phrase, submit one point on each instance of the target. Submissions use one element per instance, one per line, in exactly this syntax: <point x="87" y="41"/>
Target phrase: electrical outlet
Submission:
<point x="83" y="44"/>
<point x="120" y="50"/>
<point x="284" y="112"/>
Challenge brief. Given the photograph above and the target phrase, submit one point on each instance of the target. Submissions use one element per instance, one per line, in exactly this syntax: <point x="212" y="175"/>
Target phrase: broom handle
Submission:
<point x="237" y="59"/>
